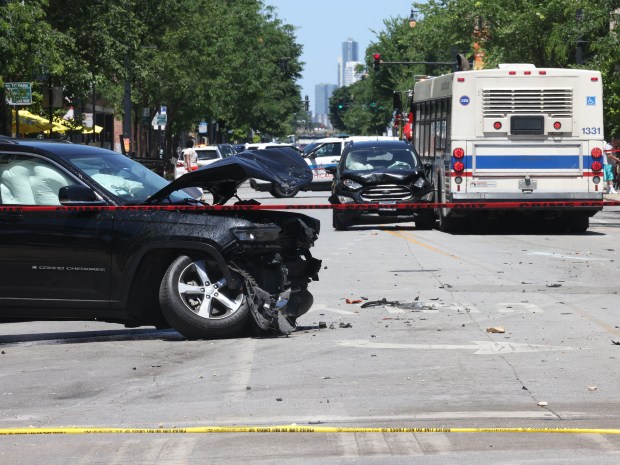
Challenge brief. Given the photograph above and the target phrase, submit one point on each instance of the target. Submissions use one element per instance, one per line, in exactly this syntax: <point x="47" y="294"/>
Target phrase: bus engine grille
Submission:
<point x="556" y="103"/>
<point x="386" y="192"/>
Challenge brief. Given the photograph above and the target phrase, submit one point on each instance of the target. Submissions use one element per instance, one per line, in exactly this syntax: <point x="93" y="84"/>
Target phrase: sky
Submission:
<point x="322" y="26"/>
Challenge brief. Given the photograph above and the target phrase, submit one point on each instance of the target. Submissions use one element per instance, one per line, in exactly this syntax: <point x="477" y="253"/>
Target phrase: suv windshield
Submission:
<point x="122" y="177"/>
<point x="380" y="159"/>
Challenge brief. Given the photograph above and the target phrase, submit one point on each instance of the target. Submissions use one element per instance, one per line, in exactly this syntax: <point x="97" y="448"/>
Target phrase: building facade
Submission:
<point x="322" y="93"/>
<point x="350" y="54"/>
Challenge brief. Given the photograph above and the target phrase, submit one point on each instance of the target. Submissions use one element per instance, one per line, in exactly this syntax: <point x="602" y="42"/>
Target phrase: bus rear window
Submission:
<point x="527" y="125"/>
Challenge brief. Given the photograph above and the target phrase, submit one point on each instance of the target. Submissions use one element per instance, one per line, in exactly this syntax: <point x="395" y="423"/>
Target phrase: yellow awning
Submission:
<point x="81" y="129"/>
<point x="30" y="123"/>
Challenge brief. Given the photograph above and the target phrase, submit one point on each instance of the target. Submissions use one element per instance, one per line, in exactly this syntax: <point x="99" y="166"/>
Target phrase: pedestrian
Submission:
<point x="611" y="158"/>
<point x="190" y="157"/>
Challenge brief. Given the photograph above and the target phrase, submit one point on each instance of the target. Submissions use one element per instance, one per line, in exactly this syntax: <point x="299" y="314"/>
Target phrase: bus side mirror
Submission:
<point x="331" y="170"/>
<point x="462" y="63"/>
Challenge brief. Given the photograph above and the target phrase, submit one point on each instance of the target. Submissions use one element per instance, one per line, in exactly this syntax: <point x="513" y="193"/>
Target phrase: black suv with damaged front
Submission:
<point x="382" y="175"/>
<point x="87" y="233"/>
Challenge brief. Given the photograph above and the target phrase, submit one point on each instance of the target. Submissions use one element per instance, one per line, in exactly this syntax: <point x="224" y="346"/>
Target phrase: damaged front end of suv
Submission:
<point x="260" y="265"/>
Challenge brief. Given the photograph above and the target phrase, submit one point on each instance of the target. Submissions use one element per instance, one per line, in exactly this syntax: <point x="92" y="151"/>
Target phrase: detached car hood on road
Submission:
<point x="284" y="167"/>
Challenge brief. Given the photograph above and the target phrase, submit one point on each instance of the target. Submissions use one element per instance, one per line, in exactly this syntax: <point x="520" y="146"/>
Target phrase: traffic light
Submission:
<point x="377" y="61"/>
<point x="340" y="104"/>
<point x="307" y="104"/>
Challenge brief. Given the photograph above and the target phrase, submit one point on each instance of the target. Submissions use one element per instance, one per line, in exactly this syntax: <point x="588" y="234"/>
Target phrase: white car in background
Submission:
<point x="207" y="154"/>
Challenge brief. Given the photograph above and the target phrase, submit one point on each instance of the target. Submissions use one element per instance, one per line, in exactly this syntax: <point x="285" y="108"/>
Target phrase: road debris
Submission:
<point x="354" y="301"/>
<point x="496" y="329"/>
<point x="415" y="305"/>
<point x="592" y="388"/>
<point x="554" y="285"/>
<point x="542" y="404"/>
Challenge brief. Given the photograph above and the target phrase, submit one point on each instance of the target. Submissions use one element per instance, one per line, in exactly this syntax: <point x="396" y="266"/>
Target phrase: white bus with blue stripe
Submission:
<point x="513" y="134"/>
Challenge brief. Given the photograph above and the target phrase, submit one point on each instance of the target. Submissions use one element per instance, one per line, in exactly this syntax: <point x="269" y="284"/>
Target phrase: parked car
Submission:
<point x="270" y="145"/>
<point x="88" y="233"/>
<point x="207" y="154"/>
<point x="325" y="153"/>
<point x="381" y="174"/>
<point x="227" y="150"/>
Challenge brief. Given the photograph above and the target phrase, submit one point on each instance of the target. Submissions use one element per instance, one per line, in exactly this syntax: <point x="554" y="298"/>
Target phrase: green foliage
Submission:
<point x="204" y="59"/>
<point x="543" y="32"/>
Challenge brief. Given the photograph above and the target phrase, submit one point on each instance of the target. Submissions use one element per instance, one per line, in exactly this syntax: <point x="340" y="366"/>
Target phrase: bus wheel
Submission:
<point x="579" y="223"/>
<point x="425" y="220"/>
<point x="446" y="224"/>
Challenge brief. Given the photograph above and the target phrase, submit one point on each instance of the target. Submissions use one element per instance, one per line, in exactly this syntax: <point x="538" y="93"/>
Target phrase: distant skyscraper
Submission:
<point x="350" y="75"/>
<point x="349" y="50"/>
<point x="322" y="93"/>
<point x="349" y="55"/>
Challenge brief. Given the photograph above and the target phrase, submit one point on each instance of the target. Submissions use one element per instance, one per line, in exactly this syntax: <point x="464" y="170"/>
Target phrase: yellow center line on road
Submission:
<point x="422" y="244"/>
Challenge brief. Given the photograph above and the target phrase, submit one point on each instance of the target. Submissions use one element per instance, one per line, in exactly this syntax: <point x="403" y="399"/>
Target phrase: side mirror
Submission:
<point x="78" y="196"/>
<point x="331" y="170"/>
<point x="427" y="168"/>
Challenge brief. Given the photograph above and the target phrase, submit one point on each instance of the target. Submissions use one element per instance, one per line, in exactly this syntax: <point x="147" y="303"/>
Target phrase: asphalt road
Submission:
<point x="423" y="359"/>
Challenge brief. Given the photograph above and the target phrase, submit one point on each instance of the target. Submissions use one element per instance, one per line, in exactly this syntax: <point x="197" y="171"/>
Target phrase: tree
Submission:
<point x="27" y="45"/>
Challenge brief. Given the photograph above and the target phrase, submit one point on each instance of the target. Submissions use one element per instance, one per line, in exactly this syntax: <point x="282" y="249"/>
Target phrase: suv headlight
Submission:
<point x="352" y="184"/>
<point x="257" y="234"/>
<point x="419" y="183"/>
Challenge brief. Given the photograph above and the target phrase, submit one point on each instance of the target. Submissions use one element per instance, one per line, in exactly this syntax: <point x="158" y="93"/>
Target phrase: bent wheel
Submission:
<point x="195" y="301"/>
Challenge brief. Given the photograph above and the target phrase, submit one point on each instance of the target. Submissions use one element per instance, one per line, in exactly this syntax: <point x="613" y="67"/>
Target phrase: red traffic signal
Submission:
<point x="377" y="61"/>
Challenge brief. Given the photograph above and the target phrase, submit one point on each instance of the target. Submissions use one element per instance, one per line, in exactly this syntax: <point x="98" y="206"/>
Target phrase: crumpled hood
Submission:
<point x="366" y="178"/>
<point x="283" y="166"/>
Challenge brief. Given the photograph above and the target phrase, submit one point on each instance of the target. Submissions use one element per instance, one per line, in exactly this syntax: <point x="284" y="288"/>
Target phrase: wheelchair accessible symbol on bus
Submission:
<point x="590" y="100"/>
<point x="464" y="100"/>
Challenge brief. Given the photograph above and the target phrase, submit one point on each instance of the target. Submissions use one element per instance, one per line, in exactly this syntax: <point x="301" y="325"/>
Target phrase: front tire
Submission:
<point x="338" y="222"/>
<point x="197" y="303"/>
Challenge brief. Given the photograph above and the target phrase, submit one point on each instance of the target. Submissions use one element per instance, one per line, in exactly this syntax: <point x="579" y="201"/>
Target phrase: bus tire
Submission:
<point x="446" y="224"/>
<point x="579" y="223"/>
<point x="425" y="221"/>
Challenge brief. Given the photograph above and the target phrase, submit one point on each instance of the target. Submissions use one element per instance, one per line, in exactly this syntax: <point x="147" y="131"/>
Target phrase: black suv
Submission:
<point x="87" y="233"/>
<point x="381" y="174"/>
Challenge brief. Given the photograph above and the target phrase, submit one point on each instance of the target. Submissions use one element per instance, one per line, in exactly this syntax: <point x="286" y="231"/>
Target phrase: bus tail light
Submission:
<point x="557" y="125"/>
<point x="459" y="167"/>
<point x="458" y="153"/>
<point x="597" y="166"/>
<point x="497" y="125"/>
<point x="596" y="152"/>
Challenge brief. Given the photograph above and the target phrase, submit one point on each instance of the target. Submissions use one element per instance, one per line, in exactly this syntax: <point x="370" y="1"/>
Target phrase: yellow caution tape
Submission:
<point x="294" y="429"/>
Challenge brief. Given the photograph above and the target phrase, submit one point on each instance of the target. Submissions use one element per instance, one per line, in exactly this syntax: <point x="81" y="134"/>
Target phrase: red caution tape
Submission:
<point x="599" y="204"/>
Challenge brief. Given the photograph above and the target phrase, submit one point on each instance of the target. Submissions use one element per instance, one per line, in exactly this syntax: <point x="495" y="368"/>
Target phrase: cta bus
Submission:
<point x="513" y="134"/>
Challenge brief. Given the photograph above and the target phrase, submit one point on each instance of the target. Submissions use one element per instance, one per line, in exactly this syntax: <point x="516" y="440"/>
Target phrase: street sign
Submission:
<point x="202" y="127"/>
<point x="159" y="121"/>
<point x="18" y="93"/>
<point x="88" y="120"/>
